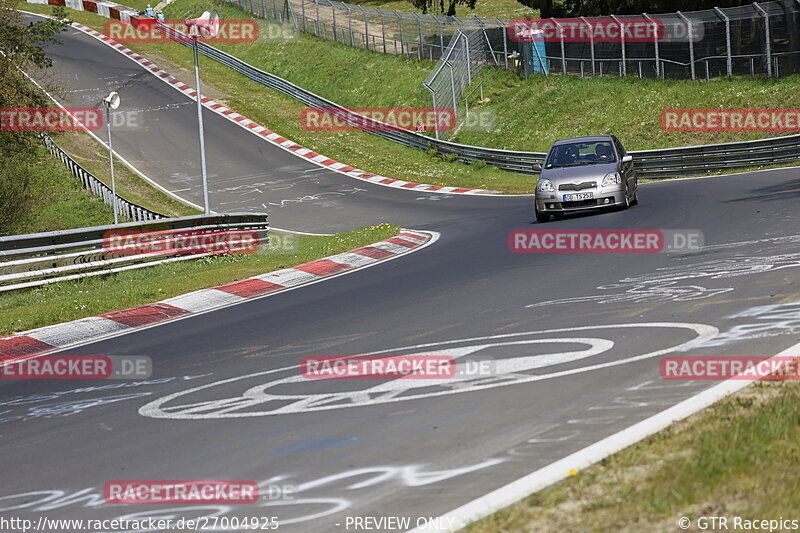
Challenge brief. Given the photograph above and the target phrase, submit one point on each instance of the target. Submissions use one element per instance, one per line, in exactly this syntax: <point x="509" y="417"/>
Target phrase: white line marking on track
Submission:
<point x="554" y="472"/>
<point x="389" y="392"/>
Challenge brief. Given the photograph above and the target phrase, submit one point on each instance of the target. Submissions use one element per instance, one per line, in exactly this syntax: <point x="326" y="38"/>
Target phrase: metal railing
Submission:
<point x="28" y="261"/>
<point x="758" y="38"/>
<point x="126" y="209"/>
<point x="660" y="163"/>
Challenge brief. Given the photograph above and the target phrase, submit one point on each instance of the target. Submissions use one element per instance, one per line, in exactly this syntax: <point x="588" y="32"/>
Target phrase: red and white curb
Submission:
<point x="41" y="340"/>
<point x="120" y="12"/>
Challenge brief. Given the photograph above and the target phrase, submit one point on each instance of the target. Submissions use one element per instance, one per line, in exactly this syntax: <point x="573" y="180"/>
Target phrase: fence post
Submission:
<point x="350" y="23"/>
<point x="419" y="27"/>
<point x="441" y="36"/>
<point x="383" y="31"/>
<point x="655" y="42"/>
<point x="505" y="42"/>
<point x="366" y="27"/>
<point x="453" y="89"/>
<point x="591" y="41"/>
<point x="400" y="19"/>
<point x="303" y="14"/>
<point x="316" y="22"/>
<point x="624" y="69"/>
<point x="729" y="59"/>
<point x="435" y="112"/>
<point x="469" y="60"/>
<point x="689" y="34"/>
<point x="768" y="45"/>
<point x="333" y="13"/>
<point x="561" y="36"/>
<point x="489" y="48"/>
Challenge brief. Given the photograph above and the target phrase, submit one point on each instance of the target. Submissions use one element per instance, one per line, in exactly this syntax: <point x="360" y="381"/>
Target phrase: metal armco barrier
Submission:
<point x="28" y="261"/>
<point x="125" y="208"/>
<point x="661" y="163"/>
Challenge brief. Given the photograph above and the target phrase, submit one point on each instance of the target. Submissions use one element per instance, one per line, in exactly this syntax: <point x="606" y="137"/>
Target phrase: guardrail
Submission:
<point x="660" y="163"/>
<point x="37" y="259"/>
<point x="125" y="208"/>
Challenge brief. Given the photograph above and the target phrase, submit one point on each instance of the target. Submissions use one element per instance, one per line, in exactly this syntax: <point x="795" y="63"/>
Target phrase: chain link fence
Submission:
<point x="760" y="39"/>
<point x="462" y="61"/>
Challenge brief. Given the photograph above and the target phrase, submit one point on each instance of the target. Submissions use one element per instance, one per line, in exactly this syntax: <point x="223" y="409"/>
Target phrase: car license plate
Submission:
<point x="578" y="196"/>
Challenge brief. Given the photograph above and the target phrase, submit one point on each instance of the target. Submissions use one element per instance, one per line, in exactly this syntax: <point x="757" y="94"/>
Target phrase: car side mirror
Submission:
<point x="537" y="167"/>
<point x="627" y="159"/>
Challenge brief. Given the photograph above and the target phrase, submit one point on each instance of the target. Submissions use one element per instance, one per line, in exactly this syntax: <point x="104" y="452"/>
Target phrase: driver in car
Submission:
<point x="602" y="152"/>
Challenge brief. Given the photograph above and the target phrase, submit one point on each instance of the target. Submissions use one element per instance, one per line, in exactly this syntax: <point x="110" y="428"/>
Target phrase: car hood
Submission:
<point x="578" y="174"/>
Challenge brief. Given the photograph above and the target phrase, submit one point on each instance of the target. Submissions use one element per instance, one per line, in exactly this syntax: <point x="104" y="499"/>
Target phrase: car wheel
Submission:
<point x="627" y="203"/>
<point x="541" y="218"/>
<point x="635" y="200"/>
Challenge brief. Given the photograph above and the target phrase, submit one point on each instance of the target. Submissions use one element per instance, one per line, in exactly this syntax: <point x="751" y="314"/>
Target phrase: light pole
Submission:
<point x="205" y="26"/>
<point x="111" y="102"/>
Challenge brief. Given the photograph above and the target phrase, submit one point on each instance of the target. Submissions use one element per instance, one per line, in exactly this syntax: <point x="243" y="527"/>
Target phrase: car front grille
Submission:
<point x="580" y="203"/>
<point x="577" y="186"/>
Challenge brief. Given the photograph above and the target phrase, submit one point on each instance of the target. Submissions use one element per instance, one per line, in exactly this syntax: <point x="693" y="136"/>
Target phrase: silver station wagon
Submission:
<point x="585" y="173"/>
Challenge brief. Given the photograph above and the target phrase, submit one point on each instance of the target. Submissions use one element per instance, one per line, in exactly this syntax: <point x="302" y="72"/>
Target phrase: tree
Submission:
<point x="443" y="7"/>
<point x="21" y="51"/>
<point x="597" y="8"/>
<point x="545" y="7"/>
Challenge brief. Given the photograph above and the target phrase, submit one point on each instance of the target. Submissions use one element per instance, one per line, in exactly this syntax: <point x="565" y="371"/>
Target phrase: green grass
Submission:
<point x="64" y="301"/>
<point x="91" y="156"/>
<point x="323" y="67"/>
<point x="56" y="200"/>
<point x="502" y="9"/>
<point x="736" y="458"/>
<point x="531" y="114"/>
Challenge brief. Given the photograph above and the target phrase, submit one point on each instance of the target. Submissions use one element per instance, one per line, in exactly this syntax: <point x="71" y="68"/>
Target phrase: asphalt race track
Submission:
<point x="255" y="175"/>
<point x="226" y="401"/>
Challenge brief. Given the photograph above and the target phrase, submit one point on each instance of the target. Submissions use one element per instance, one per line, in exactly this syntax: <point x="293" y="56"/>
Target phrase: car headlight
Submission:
<point x="612" y="178"/>
<point x="545" y="185"/>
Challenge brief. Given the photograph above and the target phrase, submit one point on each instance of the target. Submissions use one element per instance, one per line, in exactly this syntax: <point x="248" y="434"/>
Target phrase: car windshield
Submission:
<point x="580" y="153"/>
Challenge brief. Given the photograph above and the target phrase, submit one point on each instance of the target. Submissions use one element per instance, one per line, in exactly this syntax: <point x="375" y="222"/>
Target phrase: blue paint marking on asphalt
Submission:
<point x="318" y="444"/>
<point x="406" y="434"/>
